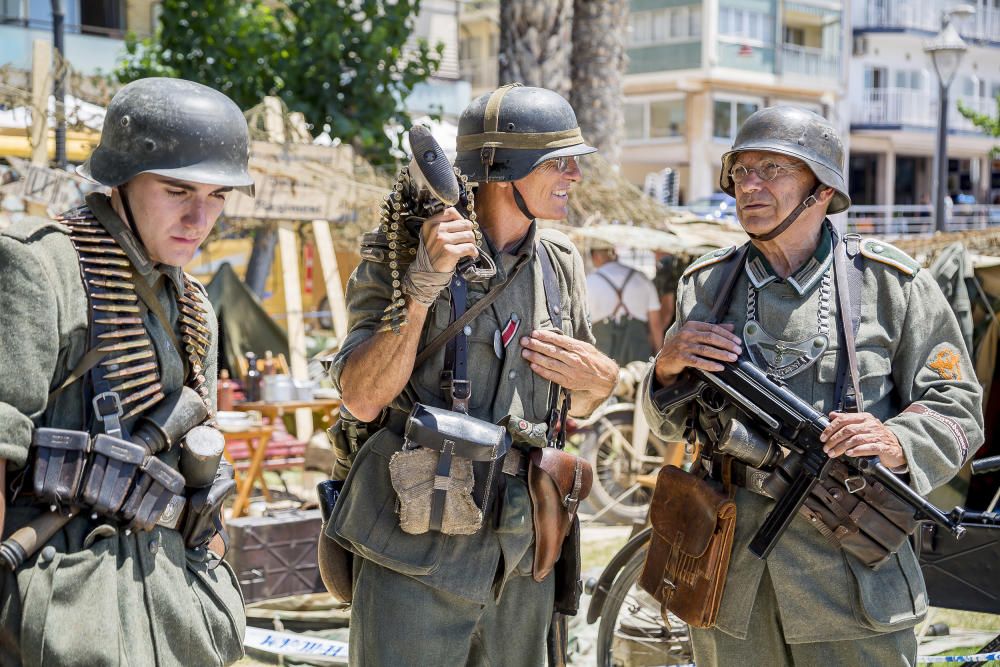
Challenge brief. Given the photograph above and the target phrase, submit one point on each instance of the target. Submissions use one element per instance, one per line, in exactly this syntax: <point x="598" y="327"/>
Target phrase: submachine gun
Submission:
<point x="787" y="421"/>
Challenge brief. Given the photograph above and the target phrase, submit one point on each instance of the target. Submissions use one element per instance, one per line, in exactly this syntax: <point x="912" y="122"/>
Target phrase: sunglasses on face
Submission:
<point x="562" y="164"/>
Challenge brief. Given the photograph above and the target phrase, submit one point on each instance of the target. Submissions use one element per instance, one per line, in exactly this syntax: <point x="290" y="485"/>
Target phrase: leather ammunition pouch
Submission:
<point x="853" y="511"/>
<point x="60" y="457"/>
<point x="336" y="564"/>
<point x="109" y="476"/>
<point x="204" y="513"/>
<point x="693" y="523"/>
<point x="447" y="473"/>
<point x="557" y="482"/>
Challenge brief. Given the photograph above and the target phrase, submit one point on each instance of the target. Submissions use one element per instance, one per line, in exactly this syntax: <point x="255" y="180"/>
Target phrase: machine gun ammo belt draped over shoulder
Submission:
<point x="118" y="474"/>
<point x="785" y="420"/>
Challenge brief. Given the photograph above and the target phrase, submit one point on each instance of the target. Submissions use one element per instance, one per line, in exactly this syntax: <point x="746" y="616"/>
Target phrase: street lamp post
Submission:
<point x="946" y="51"/>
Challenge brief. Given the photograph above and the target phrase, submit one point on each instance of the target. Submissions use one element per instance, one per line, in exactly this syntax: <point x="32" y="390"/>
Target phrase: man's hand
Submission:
<point x="862" y="434"/>
<point x="571" y="363"/>
<point x="448" y="237"/>
<point x="696" y="345"/>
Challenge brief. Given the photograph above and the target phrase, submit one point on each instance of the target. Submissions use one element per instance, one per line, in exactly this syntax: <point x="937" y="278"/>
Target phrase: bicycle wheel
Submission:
<point x="607" y="447"/>
<point x="631" y="632"/>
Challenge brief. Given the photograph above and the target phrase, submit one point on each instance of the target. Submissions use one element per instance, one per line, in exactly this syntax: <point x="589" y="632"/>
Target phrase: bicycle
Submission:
<point x="632" y="632"/>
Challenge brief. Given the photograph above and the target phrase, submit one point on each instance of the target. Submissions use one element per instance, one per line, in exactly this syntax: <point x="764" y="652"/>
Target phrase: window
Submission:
<point x="795" y="36"/>
<point x="875" y="77"/>
<point x="635" y="120"/>
<point x="655" y="119"/>
<point x="910" y="79"/>
<point x="102" y="16"/>
<point x="729" y="115"/>
<point x="666" y="118"/>
<point x="663" y="26"/>
<point x="746" y="25"/>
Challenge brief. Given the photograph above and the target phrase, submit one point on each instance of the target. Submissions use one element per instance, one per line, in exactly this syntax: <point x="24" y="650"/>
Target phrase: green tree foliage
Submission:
<point x="987" y="123"/>
<point x="341" y="64"/>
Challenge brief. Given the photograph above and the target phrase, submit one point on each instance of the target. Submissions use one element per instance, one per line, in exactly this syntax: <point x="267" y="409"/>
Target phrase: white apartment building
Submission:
<point x="893" y="97"/>
<point x="697" y="69"/>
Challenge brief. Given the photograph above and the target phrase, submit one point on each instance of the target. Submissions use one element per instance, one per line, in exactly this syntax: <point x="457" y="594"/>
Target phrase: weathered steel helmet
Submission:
<point x="174" y="128"/>
<point x="505" y="134"/>
<point x="797" y="133"/>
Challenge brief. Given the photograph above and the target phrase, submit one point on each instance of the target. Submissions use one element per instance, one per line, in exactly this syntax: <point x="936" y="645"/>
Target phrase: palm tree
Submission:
<point x="598" y="71"/>
<point x="535" y="43"/>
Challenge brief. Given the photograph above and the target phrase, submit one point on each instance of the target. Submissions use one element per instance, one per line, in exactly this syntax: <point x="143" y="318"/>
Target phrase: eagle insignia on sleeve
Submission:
<point x="947" y="364"/>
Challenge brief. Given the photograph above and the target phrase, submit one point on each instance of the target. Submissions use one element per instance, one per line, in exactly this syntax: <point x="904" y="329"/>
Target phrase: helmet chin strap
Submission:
<point x="521" y="204"/>
<point x="792" y="217"/>
<point x="129" y="216"/>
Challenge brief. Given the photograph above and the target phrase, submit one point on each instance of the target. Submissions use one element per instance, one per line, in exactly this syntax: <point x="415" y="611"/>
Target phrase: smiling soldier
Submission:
<point x="474" y="594"/>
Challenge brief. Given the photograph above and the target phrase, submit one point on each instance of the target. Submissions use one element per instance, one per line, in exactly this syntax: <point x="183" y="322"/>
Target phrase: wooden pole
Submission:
<point x="41" y="88"/>
<point x="288" y="251"/>
<point x="331" y="277"/>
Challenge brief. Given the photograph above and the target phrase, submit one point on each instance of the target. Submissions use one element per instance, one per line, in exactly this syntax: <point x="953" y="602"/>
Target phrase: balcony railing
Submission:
<point x="914" y="108"/>
<point x="904" y="220"/>
<point x="925" y="15"/>
<point x="809" y="62"/>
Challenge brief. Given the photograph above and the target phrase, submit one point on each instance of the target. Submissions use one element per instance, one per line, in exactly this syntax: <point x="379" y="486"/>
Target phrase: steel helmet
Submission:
<point x="797" y="133"/>
<point x="505" y="134"/>
<point x="174" y="128"/>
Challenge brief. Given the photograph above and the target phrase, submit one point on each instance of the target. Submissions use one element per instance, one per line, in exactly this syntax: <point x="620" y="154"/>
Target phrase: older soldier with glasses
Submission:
<point x="801" y="298"/>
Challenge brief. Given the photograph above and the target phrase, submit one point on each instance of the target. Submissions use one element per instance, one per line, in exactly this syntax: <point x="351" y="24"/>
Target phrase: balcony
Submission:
<point x="810" y="62"/>
<point x="925" y="16"/>
<point x="87" y="53"/>
<point x="906" y="107"/>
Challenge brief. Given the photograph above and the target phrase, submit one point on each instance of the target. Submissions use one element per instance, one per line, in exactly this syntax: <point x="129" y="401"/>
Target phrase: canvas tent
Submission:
<point x="244" y="325"/>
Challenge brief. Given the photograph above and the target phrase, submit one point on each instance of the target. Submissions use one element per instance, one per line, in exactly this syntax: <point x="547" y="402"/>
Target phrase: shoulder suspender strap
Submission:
<point x="619" y="291"/>
<point x="848" y="274"/>
<point x="455" y="374"/>
<point x="725" y="297"/>
<point x="550" y="283"/>
<point x="471" y="314"/>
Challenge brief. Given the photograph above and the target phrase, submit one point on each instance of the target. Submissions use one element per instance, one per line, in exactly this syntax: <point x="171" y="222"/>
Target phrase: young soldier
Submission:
<point x="813" y="601"/>
<point x="104" y="335"/>
<point x="454" y="599"/>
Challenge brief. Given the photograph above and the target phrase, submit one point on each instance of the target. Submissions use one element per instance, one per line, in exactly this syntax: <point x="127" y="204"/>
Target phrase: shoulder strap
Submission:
<point x="550" y="283"/>
<point x="619" y="291"/>
<point x="848" y="275"/>
<point x="469" y="315"/>
<point x="725" y="297"/>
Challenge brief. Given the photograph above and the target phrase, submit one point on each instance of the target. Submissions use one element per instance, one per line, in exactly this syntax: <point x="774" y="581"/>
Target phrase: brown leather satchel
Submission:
<point x="693" y="524"/>
<point x="557" y="482"/>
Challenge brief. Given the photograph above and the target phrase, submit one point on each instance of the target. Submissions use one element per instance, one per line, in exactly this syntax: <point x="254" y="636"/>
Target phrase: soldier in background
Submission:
<point x="918" y="408"/>
<point x="103" y="333"/>
<point x="624" y="307"/>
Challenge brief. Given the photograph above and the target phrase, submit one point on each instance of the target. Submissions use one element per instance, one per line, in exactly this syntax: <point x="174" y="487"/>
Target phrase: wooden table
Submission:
<point x="273" y="410"/>
<point x="256" y="438"/>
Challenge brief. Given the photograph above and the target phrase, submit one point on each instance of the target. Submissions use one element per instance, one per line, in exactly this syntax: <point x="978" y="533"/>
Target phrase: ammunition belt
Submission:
<point x="129" y="366"/>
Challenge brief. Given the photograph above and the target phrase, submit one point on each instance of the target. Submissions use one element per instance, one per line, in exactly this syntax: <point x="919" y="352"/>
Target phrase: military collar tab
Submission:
<point x="100" y="205"/>
<point x="760" y="273"/>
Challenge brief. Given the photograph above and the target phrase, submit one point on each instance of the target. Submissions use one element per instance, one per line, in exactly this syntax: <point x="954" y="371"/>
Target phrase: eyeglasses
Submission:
<point x="563" y="164"/>
<point x="767" y="171"/>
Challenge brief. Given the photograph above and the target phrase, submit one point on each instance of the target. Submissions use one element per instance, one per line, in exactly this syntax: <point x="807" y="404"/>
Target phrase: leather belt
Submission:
<point x="745" y="476"/>
<point x="515" y="463"/>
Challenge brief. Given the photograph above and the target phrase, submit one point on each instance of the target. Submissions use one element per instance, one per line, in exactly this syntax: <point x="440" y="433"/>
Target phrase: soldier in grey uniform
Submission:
<point x="97" y="312"/>
<point x="432" y="598"/>
<point x="811" y="602"/>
